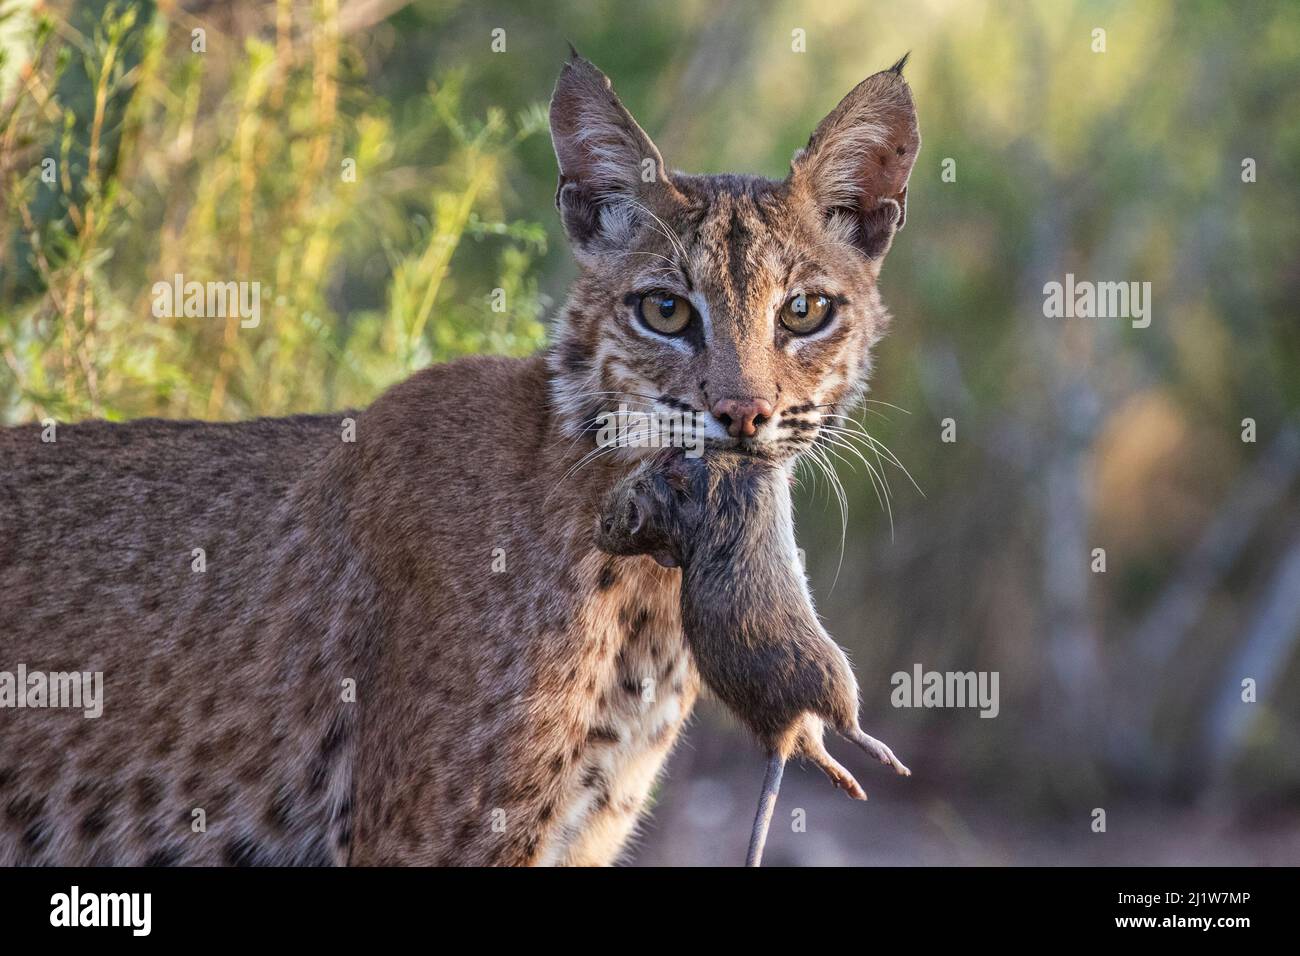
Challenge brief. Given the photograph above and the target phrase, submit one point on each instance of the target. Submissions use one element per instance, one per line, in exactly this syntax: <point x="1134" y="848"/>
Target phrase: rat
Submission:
<point x="726" y="519"/>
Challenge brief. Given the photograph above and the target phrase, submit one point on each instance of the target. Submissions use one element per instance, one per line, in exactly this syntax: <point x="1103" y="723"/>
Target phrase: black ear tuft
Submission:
<point x="897" y="68"/>
<point x="575" y="55"/>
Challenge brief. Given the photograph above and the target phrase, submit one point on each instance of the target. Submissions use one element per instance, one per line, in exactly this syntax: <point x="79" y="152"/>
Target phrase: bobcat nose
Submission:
<point x="742" y="416"/>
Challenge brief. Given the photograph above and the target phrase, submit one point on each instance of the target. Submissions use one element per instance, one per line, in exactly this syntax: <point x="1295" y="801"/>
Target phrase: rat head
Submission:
<point x="672" y="507"/>
<point x="651" y="511"/>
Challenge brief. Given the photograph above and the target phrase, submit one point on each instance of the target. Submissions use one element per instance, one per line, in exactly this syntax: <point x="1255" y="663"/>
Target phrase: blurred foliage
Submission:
<point x="259" y="160"/>
<point x="1123" y="165"/>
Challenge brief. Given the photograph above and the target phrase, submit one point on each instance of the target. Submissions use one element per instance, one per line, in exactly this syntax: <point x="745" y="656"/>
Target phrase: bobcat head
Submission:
<point x="749" y="302"/>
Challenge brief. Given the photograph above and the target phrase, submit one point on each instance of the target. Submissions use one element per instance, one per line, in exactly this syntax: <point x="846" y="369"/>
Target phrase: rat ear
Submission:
<point x="856" y="164"/>
<point x="640" y="511"/>
<point x="637" y="509"/>
<point x="676" y="473"/>
<point x="608" y="165"/>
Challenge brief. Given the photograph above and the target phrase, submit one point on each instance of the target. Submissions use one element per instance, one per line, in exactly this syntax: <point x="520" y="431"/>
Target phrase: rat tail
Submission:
<point x="766" y="805"/>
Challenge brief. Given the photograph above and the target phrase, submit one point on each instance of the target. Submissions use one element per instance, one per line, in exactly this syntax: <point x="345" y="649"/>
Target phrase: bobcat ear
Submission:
<point x="607" y="162"/>
<point x="856" y="163"/>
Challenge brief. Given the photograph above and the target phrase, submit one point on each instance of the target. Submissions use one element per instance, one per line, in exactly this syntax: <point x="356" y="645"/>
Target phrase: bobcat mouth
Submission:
<point x="765" y="448"/>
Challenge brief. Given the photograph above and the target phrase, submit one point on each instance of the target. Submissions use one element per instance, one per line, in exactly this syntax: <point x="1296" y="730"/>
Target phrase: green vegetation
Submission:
<point x="269" y="163"/>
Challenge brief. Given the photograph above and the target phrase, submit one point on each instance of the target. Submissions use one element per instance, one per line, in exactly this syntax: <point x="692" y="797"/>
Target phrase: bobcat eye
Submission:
<point x="805" y="312"/>
<point x="664" y="313"/>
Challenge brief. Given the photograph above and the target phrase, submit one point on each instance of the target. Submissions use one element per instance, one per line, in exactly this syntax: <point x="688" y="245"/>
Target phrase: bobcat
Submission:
<point x="388" y="636"/>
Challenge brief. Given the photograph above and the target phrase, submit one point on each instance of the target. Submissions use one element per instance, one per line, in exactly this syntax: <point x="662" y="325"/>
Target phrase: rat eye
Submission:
<point x="665" y="313"/>
<point x="805" y="312"/>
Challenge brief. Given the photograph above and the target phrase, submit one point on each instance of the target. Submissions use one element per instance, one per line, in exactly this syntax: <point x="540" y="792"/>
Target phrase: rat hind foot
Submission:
<point x="877" y="749"/>
<point x="809" y="746"/>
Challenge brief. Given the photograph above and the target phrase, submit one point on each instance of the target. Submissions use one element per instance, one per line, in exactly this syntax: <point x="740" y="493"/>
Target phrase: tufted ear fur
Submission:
<point x="609" y="168"/>
<point x="856" y="164"/>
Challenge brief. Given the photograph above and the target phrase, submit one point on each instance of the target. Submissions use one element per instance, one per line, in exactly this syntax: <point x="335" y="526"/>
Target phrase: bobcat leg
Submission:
<point x="877" y="749"/>
<point x="766" y="804"/>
